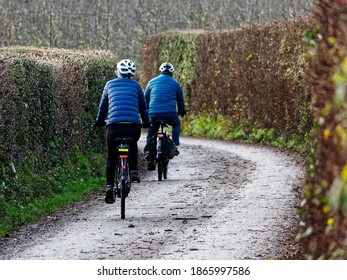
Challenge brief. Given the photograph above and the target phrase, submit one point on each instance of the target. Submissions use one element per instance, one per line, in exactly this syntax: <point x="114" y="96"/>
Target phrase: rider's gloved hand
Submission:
<point x="182" y="113"/>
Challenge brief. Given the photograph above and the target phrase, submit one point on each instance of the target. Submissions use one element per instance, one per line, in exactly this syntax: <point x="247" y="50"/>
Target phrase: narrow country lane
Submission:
<point x="221" y="201"/>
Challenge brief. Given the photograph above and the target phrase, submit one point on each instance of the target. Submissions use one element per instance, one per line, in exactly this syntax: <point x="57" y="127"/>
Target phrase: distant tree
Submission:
<point x="122" y="26"/>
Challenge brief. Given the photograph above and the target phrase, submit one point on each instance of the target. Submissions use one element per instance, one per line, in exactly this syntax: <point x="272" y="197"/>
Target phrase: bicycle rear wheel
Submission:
<point x="123" y="196"/>
<point x="166" y="162"/>
<point x="160" y="167"/>
<point x="118" y="180"/>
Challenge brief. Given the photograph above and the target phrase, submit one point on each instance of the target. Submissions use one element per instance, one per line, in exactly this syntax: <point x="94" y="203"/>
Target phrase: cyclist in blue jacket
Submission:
<point x="165" y="101"/>
<point x="122" y="103"/>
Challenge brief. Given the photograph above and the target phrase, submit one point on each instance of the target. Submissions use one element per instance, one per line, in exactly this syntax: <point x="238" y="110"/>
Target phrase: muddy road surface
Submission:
<point x="221" y="201"/>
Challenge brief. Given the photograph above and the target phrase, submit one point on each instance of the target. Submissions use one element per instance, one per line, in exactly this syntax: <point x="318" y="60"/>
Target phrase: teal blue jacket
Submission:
<point x="164" y="95"/>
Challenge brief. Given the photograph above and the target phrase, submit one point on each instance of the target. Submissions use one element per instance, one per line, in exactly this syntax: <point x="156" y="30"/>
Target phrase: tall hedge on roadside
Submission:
<point x="179" y="48"/>
<point x="48" y="102"/>
<point x="324" y="232"/>
<point x="267" y="76"/>
<point x="255" y="76"/>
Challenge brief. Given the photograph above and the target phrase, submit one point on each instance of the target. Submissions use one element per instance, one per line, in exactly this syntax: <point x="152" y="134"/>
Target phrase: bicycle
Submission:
<point x="166" y="150"/>
<point x="122" y="178"/>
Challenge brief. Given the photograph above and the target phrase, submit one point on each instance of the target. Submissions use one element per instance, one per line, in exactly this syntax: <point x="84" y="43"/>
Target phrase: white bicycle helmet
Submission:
<point x="166" y="67"/>
<point x="126" y="68"/>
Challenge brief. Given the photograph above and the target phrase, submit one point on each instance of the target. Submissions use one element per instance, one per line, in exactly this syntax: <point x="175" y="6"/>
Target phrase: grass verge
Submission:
<point x="49" y="190"/>
<point x="222" y="128"/>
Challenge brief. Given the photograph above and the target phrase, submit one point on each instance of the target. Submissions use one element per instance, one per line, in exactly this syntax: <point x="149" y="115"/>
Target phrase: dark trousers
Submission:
<point x="115" y="131"/>
<point x="170" y="119"/>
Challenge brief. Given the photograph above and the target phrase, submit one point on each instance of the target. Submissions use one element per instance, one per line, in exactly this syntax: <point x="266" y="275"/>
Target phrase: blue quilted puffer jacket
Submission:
<point x="164" y="95"/>
<point x="122" y="101"/>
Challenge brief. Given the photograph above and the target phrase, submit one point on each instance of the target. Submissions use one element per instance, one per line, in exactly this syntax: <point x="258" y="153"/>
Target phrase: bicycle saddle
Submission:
<point x="124" y="140"/>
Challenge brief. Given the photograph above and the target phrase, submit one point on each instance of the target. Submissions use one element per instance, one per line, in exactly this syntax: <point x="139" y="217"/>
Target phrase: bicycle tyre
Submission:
<point x="166" y="162"/>
<point x="118" y="179"/>
<point x="123" y="196"/>
<point x="160" y="167"/>
<point x="163" y="160"/>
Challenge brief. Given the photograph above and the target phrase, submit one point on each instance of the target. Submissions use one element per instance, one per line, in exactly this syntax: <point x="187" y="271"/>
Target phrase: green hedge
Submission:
<point x="255" y="77"/>
<point x="261" y="83"/>
<point x="324" y="230"/>
<point x="179" y="48"/>
<point x="48" y="102"/>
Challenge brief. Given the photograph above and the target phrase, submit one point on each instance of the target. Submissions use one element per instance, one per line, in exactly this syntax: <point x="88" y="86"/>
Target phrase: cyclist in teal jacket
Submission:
<point x="165" y="101"/>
